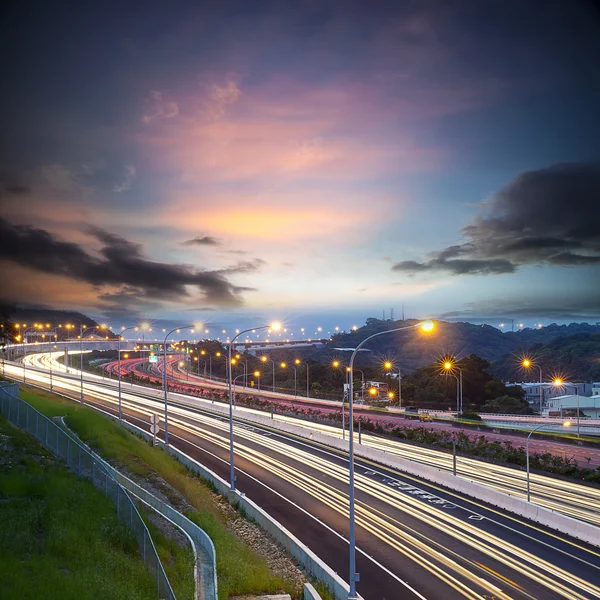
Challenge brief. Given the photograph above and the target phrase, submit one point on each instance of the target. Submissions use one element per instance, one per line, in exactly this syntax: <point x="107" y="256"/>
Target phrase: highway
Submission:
<point x="588" y="457"/>
<point x="415" y="540"/>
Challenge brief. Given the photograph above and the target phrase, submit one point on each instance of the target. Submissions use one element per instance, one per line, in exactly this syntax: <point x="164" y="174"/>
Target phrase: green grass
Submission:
<point x="59" y="536"/>
<point x="240" y="570"/>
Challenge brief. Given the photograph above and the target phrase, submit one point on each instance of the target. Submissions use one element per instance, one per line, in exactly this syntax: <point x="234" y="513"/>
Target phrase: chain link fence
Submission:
<point x="84" y="464"/>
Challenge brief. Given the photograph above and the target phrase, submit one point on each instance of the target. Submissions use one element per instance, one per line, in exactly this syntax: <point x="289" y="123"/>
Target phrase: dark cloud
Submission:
<point x="206" y="240"/>
<point x="583" y="306"/>
<point x="120" y="263"/>
<point x="550" y="216"/>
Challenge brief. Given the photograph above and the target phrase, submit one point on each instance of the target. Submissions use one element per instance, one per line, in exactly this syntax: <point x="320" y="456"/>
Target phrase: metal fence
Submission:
<point x="84" y="464"/>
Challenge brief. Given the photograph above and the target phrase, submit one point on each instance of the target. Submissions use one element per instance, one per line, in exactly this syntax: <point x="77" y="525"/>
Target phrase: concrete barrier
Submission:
<point x="310" y="593"/>
<point x="539" y="514"/>
<point x="304" y="555"/>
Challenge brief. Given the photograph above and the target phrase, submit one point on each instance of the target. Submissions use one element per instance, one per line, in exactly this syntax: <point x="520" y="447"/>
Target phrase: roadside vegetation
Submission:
<point x="240" y="569"/>
<point x="60" y="538"/>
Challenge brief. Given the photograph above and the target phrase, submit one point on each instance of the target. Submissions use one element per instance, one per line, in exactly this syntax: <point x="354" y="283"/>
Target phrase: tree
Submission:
<point x="507" y="405"/>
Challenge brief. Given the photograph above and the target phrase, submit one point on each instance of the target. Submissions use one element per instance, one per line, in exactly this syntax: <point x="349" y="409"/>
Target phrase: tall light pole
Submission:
<point x="449" y="367"/>
<point x="457" y="390"/>
<point x="354" y="576"/>
<point x="120" y="337"/>
<point x="565" y="424"/>
<point x="299" y="362"/>
<point x="527" y="364"/>
<point x="82" y="329"/>
<point x="266" y="359"/>
<point x="284" y="365"/>
<point x="558" y="382"/>
<point x="388" y="365"/>
<point x="274" y="327"/>
<point x="166" y="389"/>
<point x="336" y="364"/>
<point x="34" y="328"/>
<point x="204" y="353"/>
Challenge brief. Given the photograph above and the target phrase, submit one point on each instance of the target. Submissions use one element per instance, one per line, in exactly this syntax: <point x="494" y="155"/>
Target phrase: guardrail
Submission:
<point x="304" y="555"/>
<point x="197" y="535"/>
<point x="85" y="465"/>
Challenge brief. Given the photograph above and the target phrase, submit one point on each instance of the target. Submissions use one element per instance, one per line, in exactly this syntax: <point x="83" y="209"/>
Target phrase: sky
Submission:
<point x="309" y="161"/>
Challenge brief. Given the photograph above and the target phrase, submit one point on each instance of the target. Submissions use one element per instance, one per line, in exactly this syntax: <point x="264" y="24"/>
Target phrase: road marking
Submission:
<point x="498" y="575"/>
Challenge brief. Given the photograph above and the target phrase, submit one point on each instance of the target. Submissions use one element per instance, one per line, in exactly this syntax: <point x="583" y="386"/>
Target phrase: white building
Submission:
<point x="566" y="406"/>
<point x="550" y="390"/>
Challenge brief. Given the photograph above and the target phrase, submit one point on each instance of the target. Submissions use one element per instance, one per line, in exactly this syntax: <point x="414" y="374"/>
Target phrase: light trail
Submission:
<point x="401" y="516"/>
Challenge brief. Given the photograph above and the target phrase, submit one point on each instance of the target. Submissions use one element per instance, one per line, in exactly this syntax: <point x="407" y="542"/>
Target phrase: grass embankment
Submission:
<point x="59" y="536"/>
<point x="240" y="570"/>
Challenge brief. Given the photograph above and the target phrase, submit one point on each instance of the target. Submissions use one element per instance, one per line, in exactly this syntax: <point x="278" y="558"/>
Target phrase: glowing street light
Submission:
<point x="273" y="327"/>
<point x="388" y="366"/>
<point x="199" y="327"/>
<point x="527" y="363"/>
<point x="449" y="367"/>
<point x="558" y="382"/>
<point x="426" y="326"/>
<point x="119" y="338"/>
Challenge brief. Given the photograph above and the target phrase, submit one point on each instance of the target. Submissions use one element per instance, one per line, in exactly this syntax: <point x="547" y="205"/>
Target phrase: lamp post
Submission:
<point x="265" y="359"/>
<point x="389" y="366"/>
<point x="166" y="389"/>
<point x="336" y="364"/>
<point x="120" y="337"/>
<point x="244" y="375"/>
<point x="449" y="367"/>
<point x="34" y="328"/>
<point x="50" y="363"/>
<point x="275" y="327"/>
<point x="354" y="577"/>
<point x="565" y="424"/>
<point x="299" y="362"/>
<point x="82" y="329"/>
<point x="560" y="383"/>
<point x="284" y="365"/>
<point x="203" y="353"/>
<point x="527" y="364"/>
<point x="457" y="390"/>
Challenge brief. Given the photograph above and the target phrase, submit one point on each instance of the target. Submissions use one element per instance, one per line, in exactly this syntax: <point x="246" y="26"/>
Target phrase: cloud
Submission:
<point x="125" y="184"/>
<point x="550" y="216"/>
<point x="205" y="240"/>
<point x="159" y="109"/>
<point x="561" y="306"/>
<point x="119" y="263"/>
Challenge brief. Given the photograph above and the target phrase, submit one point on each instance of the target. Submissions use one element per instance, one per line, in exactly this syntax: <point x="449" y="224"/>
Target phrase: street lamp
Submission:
<point x="527" y="363"/>
<point x="388" y="365"/>
<point x="166" y="389"/>
<point x="266" y="359"/>
<point x="558" y="382"/>
<point x="565" y="424"/>
<point x="274" y="327"/>
<point x="449" y="366"/>
<point x="299" y="362"/>
<point x="426" y="326"/>
<point x="119" y="338"/>
<point x="336" y="364"/>
<point x="284" y="365"/>
<point x="82" y="330"/>
<point x="257" y="375"/>
<point x="204" y="353"/>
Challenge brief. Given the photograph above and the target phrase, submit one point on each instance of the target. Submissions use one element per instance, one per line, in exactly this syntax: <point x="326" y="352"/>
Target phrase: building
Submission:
<point x="550" y="390"/>
<point x="566" y="406"/>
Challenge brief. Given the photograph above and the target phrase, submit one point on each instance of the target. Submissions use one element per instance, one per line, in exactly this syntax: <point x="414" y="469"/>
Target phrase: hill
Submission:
<point x="414" y="350"/>
<point x="574" y="357"/>
<point x="53" y="318"/>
